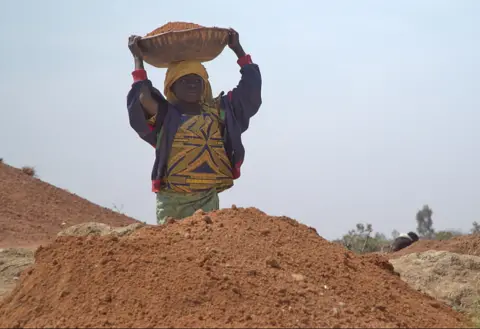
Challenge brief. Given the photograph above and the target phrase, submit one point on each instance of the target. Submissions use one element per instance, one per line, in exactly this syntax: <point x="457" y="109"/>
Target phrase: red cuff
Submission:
<point x="247" y="59"/>
<point x="139" y="75"/>
<point x="236" y="170"/>
<point x="156" y="185"/>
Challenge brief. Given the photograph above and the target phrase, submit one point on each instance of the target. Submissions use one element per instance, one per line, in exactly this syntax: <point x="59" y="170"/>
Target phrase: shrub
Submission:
<point x="446" y="235"/>
<point x="30" y="171"/>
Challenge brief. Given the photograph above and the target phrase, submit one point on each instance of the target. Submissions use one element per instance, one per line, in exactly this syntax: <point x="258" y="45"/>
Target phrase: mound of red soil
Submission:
<point x="32" y="211"/>
<point x="232" y="268"/>
<point x="464" y="244"/>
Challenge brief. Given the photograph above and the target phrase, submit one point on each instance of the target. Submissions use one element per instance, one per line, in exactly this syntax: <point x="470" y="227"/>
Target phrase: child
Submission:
<point x="197" y="139"/>
<point x="404" y="240"/>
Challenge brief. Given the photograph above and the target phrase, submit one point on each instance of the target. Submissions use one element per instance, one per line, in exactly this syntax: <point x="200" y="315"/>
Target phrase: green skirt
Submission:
<point x="179" y="206"/>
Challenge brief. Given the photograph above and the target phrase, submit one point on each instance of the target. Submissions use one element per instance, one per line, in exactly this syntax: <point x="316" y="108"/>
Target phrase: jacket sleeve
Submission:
<point x="145" y="127"/>
<point x="246" y="98"/>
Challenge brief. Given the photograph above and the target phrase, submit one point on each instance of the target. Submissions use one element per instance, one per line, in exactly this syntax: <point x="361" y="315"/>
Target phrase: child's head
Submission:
<point x="187" y="82"/>
<point x="413" y="236"/>
<point x="189" y="88"/>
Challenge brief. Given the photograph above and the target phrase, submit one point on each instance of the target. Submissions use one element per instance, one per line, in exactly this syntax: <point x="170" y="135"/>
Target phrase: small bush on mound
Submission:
<point x="446" y="235"/>
<point x="1" y="160"/>
<point x="30" y="171"/>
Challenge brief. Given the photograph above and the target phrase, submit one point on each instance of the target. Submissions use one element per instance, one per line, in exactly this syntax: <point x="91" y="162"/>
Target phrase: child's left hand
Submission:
<point x="234" y="43"/>
<point x="233" y="39"/>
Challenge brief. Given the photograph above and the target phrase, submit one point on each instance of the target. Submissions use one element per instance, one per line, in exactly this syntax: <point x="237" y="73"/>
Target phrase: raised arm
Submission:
<point x="146" y="105"/>
<point x="246" y="98"/>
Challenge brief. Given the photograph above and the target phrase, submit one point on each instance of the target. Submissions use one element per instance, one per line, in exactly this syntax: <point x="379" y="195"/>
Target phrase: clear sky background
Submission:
<point x="370" y="108"/>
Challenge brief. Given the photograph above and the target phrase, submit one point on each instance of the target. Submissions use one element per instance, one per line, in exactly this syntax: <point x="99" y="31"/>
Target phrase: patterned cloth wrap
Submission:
<point x="197" y="168"/>
<point x="198" y="161"/>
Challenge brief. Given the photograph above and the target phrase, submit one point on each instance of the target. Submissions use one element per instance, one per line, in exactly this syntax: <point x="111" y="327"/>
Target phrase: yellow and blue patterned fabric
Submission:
<point x="198" y="161"/>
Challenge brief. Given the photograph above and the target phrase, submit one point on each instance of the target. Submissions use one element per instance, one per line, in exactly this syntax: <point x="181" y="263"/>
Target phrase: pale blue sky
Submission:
<point x="370" y="108"/>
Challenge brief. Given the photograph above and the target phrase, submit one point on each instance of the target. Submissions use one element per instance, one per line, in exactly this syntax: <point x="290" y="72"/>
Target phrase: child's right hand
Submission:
<point x="133" y="46"/>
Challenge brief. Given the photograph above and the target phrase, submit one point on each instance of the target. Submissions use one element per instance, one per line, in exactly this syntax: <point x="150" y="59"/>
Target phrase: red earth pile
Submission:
<point x="464" y="244"/>
<point x="32" y="212"/>
<point x="231" y="268"/>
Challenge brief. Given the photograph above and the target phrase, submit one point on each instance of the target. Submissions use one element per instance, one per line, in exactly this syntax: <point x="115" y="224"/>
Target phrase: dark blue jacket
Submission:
<point x="239" y="105"/>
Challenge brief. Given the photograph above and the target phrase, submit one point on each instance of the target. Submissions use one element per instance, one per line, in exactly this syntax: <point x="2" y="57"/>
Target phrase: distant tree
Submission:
<point x="425" y="222"/>
<point x="118" y="209"/>
<point x="395" y="234"/>
<point x="475" y="228"/>
<point x="360" y="239"/>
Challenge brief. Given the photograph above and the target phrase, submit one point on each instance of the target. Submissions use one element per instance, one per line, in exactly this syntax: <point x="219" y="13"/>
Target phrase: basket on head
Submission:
<point x="179" y="41"/>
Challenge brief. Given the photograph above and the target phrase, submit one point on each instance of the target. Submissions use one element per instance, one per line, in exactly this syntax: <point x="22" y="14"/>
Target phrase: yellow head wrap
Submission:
<point x="179" y="69"/>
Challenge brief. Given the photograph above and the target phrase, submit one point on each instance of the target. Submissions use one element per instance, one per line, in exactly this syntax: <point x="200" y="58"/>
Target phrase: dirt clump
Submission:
<point x="446" y="276"/>
<point x="13" y="261"/>
<point x="241" y="268"/>
<point x="379" y="260"/>
<point x="32" y="212"/>
<point x="463" y="244"/>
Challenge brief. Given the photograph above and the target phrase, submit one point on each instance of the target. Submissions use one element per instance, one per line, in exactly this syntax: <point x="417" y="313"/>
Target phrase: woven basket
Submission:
<point x="201" y="44"/>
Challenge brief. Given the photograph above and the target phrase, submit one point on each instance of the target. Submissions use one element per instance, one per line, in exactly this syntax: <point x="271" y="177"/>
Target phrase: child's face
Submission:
<point x="189" y="88"/>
